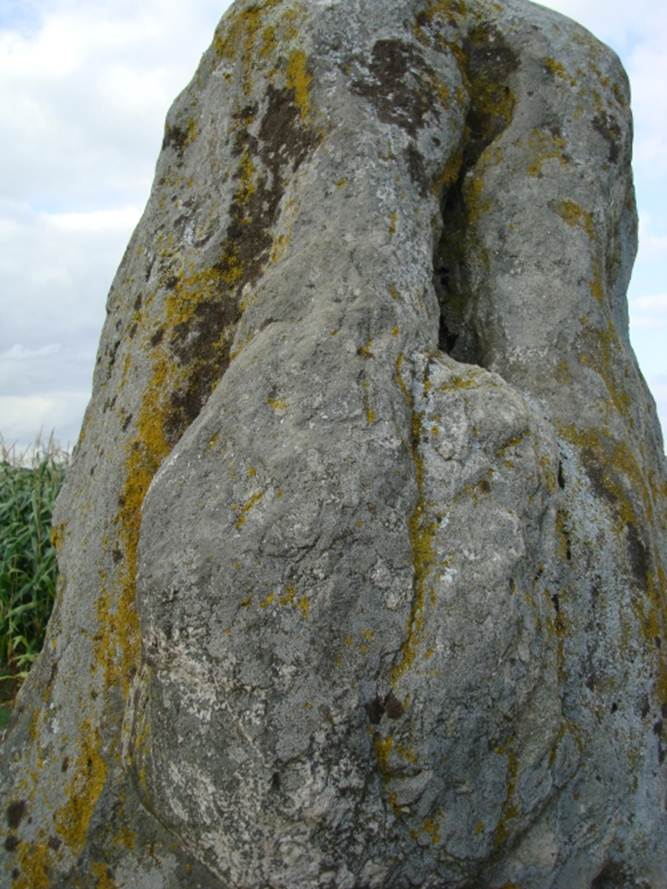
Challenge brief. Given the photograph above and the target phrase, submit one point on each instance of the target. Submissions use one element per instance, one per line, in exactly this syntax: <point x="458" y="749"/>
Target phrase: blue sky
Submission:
<point x="86" y="86"/>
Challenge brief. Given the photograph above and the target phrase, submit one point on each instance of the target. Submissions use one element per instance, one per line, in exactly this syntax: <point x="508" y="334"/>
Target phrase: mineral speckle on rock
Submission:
<point x="363" y="549"/>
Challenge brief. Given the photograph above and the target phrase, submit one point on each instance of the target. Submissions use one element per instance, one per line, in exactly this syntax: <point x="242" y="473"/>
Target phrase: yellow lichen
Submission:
<point x="269" y="42"/>
<point x="393" y="223"/>
<point x="238" y="32"/>
<point x="576" y="217"/>
<point x="251" y="502"/>
<point x="421" y="533"/>
<point x="299" y="80"/>
<point x="342" y="183"/>
<point x="544" y="146"/>
<point x="558" y="70"/>
<point x="269" y="600"/>
<point x="84" y="788"/>
<point x="431" y="828"/>
<point x="103" y="876"/>
<point x="602" y="359"/>
<point x="277" y="404"/>
<point x="33" y="860"/>
<point x="279" y="247"/>
<point x="288" y="596"/>
<point x="304" y="606"/>
<point x="406" y="753"/>
<point x="366" y="350"/>
<point x="510" y="809"/>
<point x="383" y="747"/>
<point x="458" y="382"/>
<point x="57" y="535"/>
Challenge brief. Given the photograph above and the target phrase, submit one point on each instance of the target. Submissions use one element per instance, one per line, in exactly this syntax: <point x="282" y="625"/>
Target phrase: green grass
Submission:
<point x="29" y="484"/>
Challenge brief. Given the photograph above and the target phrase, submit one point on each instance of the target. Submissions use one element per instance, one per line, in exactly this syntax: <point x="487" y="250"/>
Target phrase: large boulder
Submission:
<point x="362" y="551"/>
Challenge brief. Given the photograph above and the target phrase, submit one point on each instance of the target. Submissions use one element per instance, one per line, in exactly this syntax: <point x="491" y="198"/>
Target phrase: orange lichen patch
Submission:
<point x="34" y="866"/>
<point x="299" y="80"/>
<point x="249" y="504"/>
<point x="576" y="217"/>
<point x="85" y="786"/>
<point x="542" y="147"/>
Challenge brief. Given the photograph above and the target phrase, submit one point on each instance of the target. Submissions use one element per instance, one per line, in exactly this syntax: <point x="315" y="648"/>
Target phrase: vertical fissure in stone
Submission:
<point x="487" y="63"/>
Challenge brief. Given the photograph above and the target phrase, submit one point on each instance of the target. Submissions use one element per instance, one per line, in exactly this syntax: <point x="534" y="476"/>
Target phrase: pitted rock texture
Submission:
<point x="362" y="551"/>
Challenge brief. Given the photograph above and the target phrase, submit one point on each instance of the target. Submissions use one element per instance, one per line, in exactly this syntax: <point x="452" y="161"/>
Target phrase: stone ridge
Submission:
<point x="363" y="548"/>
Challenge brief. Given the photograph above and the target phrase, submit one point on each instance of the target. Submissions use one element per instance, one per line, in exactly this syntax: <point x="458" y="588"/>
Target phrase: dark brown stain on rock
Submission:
<point x="606" y="126"/>
<point x="15" y="812"/>
<point x="11" y="843"/>
<point x="399" y="83"/>
<point x="203" y="342"/>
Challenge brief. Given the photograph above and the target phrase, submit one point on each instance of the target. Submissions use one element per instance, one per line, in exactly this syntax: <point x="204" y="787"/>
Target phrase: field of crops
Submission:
<point x="29" y="483"/>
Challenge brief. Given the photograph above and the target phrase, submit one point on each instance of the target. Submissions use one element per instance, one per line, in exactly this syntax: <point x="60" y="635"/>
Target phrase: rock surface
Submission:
<point x="362" y="552"/>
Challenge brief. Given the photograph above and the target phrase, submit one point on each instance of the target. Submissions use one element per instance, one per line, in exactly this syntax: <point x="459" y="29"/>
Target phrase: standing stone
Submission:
<point x="362" y="550"/>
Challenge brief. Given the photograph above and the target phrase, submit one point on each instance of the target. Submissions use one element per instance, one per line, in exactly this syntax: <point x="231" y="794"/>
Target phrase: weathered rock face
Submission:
<point x="362" y="552"/>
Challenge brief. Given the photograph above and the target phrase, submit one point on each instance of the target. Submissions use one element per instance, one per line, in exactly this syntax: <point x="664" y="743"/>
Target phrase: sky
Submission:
<point x="85" y="86"/>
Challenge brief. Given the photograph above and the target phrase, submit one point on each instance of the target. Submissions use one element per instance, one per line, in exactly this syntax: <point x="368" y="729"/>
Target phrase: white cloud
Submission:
<point x="25" y="418"/>
<point x="94" y="222"/>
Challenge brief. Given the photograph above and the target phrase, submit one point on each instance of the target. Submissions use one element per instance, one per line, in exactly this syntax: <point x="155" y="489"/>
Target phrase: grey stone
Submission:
<point x="362" y="551"/>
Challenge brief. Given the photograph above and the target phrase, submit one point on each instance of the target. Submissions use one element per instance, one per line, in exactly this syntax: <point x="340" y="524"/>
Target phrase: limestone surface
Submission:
<point x="363" y="548"/>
